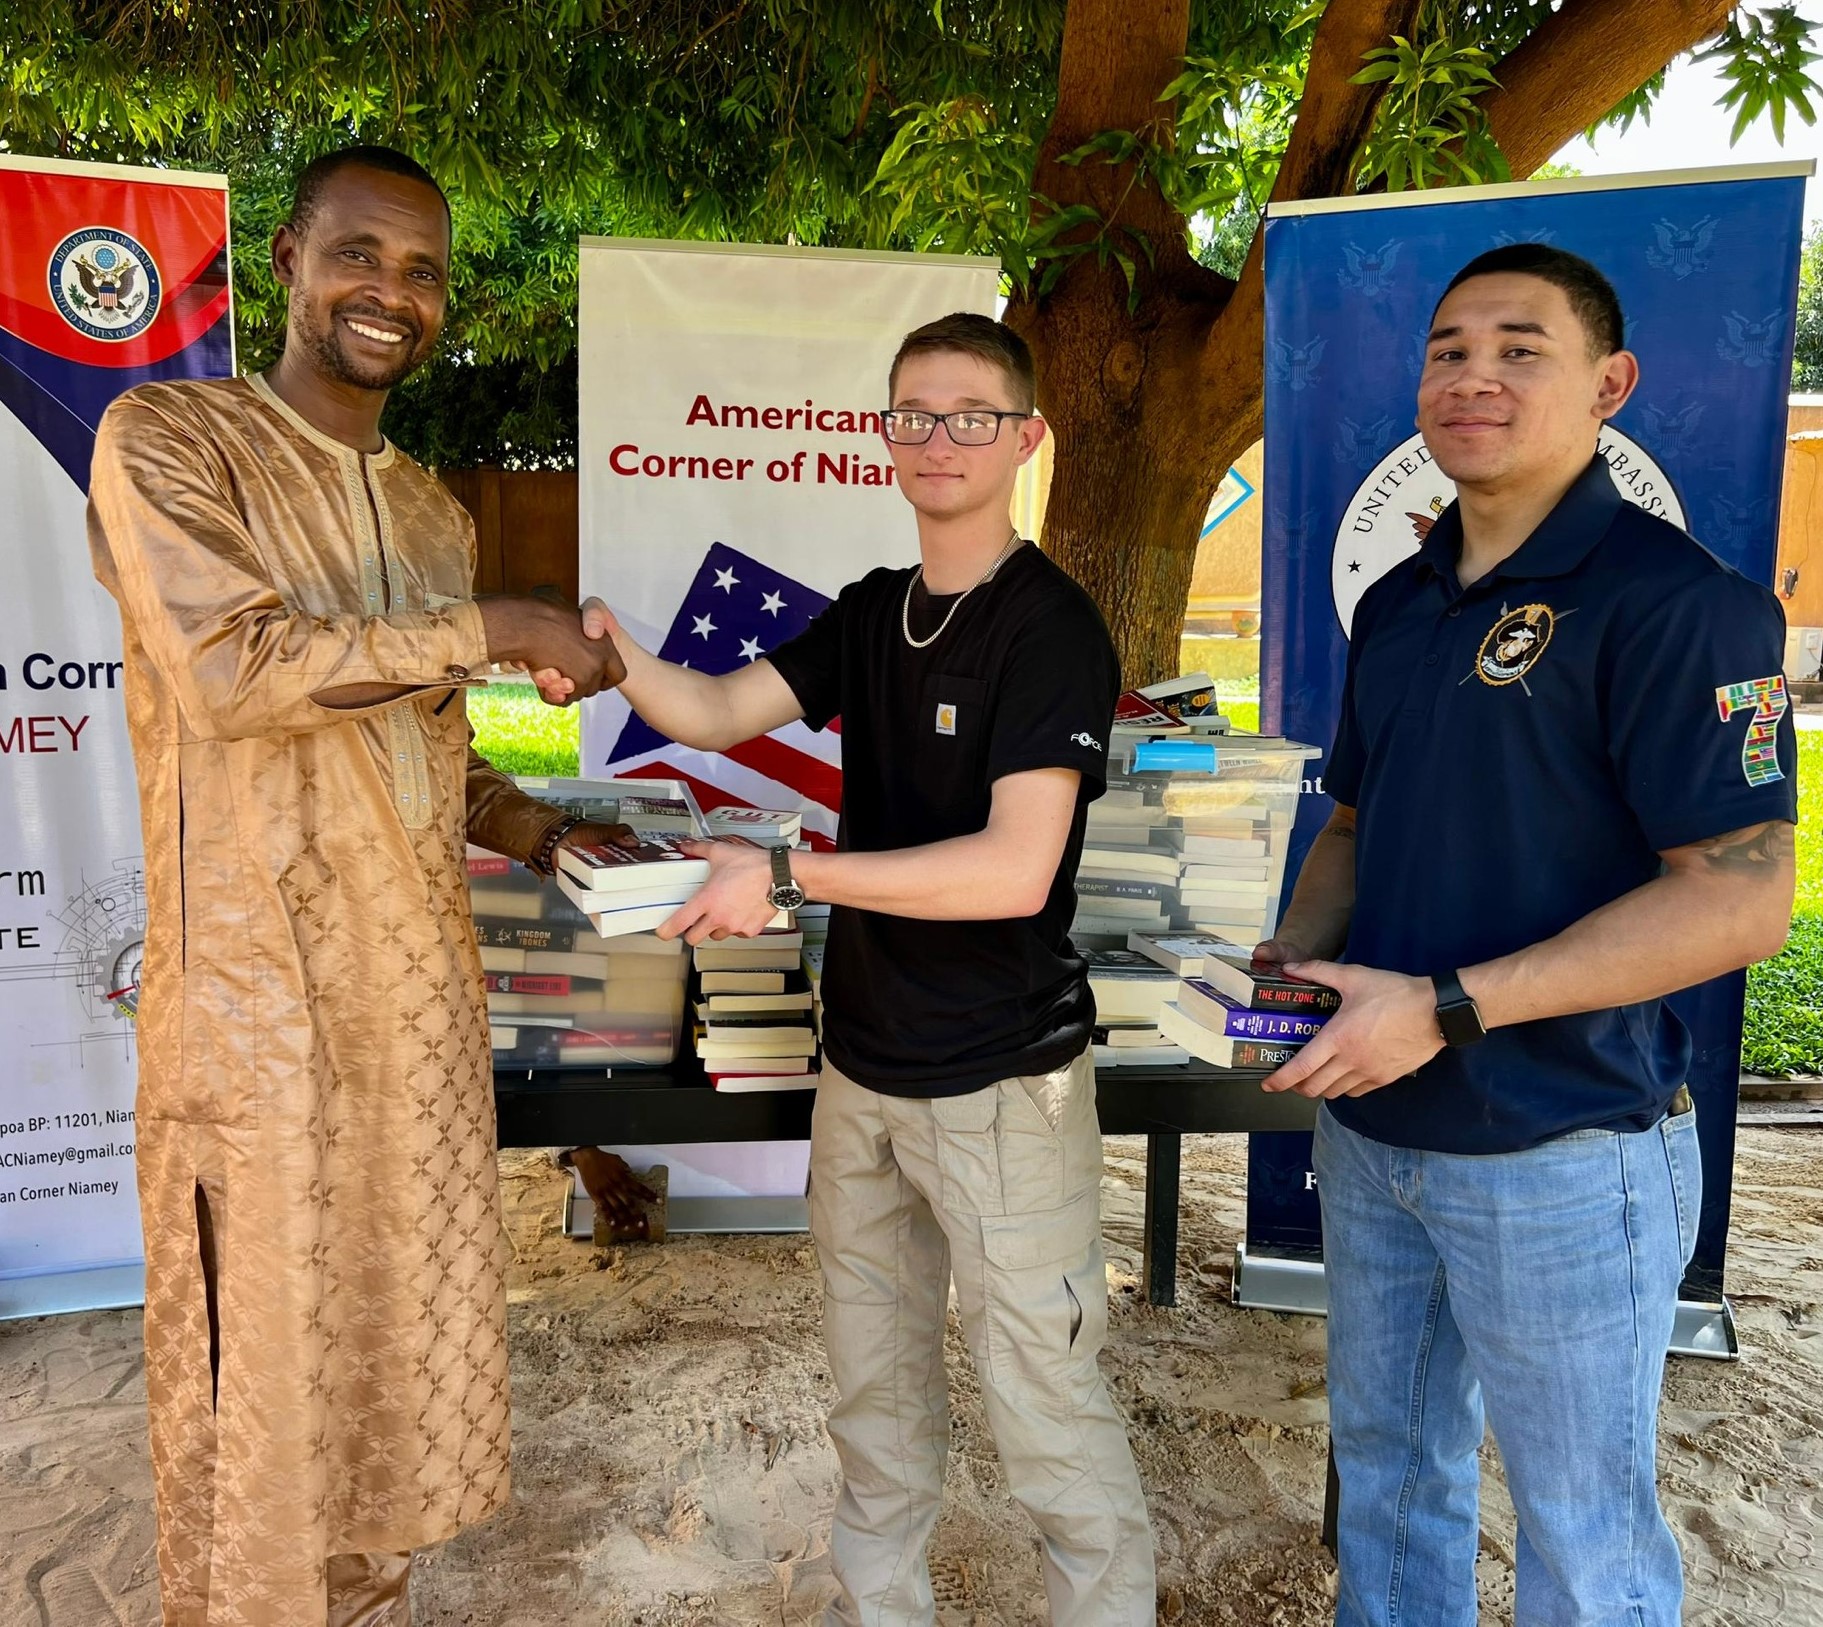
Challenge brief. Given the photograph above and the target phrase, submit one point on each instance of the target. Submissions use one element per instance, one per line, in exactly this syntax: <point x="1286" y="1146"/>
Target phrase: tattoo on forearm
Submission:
<point x="1770" y="844"/>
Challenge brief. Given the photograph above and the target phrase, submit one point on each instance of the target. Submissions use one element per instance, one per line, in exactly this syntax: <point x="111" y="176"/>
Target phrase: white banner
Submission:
<point x="108" y="277"/>
<point x="733" y="475"/>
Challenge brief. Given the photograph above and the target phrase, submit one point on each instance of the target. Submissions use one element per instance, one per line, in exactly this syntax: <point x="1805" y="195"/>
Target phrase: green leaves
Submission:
<point x="1765" y="57"/>
<point x="1430" y="132"/>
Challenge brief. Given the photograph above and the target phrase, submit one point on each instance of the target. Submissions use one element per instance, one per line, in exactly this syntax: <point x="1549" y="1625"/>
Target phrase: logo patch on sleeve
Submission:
<point x="946" y="718"/>
<point x="1767" y="700"/>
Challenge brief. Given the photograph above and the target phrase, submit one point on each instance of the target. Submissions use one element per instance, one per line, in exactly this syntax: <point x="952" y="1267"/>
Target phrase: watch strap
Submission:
<point x="1458" y="1017"/>
<point x="781" y="866"/>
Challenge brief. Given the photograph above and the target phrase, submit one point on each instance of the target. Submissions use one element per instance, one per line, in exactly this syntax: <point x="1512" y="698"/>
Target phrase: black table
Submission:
<point x="549" y="1108"/>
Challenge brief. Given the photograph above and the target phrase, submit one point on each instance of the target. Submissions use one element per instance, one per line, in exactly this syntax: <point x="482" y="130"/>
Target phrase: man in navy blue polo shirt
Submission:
<point x="1563" y="779"/>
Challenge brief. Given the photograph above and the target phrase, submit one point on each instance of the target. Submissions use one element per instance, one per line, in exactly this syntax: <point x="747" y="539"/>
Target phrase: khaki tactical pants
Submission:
<point x="1002" y="1188"/>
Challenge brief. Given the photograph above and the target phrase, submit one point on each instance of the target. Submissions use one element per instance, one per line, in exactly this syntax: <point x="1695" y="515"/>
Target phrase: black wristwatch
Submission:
<point x="1458" y="1017"/>
<point x="785" y="894"/>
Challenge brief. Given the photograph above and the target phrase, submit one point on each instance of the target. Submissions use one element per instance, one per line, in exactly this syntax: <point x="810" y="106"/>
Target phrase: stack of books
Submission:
<point x="1231" y="1013"/>
<point x="559" y="995"/>
<point x="770" y="827"/>
<point x="1130" y="992"/>
<point x="1165" y="852"/>
<point x="755" y="1026"/>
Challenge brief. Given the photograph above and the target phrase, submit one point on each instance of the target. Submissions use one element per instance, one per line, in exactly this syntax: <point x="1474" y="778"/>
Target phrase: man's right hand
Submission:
<point x="597" y="622"/>
<point x="548" y="637"/>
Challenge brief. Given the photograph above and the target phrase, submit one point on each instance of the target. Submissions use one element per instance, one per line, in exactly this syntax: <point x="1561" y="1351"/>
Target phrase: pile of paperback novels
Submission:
<point x="1229" y="1012"/>
<point x="1196" y="845"/>
<point x="755" y="1027"/>
<point x="559" y="993"/>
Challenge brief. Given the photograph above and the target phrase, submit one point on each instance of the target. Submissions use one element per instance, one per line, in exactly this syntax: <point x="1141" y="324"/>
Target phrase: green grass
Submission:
<point x="519" y="734"/>
<point x="1784" y="1028"/>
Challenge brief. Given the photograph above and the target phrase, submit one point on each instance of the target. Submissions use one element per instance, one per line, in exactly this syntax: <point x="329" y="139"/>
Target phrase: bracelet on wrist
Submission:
<point x="543" y="861"/>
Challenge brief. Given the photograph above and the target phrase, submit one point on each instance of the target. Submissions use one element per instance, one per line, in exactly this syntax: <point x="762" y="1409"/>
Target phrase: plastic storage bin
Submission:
<point x="558" y="994"/>
<point x="1190" y="836"/>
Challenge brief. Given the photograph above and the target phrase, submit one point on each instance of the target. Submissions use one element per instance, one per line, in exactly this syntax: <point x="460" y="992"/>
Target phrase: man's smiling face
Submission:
<point x="369" y="277"/>
<point x="1511" y="390"/>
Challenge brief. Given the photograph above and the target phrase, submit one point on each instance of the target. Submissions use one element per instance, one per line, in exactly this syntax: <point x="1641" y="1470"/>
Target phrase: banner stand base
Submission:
<point x="56" y="1293"/>
<point x="1278" y="1282"/>
<point x="1705" y="1329"/>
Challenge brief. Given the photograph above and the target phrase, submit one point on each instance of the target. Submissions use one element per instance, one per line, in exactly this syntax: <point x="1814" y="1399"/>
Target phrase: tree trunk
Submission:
<point x="1136" y="461"/>
<point x="1149" y="407"/>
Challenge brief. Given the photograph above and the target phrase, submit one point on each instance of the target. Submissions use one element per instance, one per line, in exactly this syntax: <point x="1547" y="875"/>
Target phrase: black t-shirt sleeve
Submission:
<point x="1700" y="728"/>
<point x="1056" y="695"/>
<point x="811" y="663"/>
<point x="1347" y="759"/>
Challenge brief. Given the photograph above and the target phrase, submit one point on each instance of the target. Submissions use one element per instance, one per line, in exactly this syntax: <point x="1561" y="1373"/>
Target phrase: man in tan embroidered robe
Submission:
<point x="325" y="1351"/>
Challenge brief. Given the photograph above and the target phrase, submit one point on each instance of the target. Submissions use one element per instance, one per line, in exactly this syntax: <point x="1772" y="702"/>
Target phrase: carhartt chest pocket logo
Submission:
<point x="946" y="717"/>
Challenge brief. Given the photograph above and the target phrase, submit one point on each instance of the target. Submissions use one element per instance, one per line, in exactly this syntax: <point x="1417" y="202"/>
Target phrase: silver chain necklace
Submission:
<point x="917" y="576"/>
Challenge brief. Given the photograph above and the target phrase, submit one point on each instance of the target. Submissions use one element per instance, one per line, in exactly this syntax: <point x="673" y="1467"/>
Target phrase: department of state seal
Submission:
<point x="104" y="284"/>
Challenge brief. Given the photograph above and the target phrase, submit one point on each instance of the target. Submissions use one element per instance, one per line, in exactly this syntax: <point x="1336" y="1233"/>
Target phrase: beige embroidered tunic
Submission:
<point x="313" y="1046"/>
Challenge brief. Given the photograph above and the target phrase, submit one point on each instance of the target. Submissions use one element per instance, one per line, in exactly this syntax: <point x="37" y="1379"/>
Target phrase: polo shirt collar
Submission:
<point x="1562" y="541"/>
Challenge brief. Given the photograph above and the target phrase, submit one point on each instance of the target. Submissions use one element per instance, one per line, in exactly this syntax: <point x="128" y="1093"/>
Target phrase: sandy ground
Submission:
<point x="671" y="1468"/>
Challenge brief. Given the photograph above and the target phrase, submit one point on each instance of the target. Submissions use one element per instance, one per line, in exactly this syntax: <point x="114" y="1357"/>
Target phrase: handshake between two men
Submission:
<point x="568" y="652"/>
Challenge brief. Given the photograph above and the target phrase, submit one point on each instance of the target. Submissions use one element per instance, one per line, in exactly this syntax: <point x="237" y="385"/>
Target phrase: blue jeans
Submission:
<point x="1538" y="1288"/>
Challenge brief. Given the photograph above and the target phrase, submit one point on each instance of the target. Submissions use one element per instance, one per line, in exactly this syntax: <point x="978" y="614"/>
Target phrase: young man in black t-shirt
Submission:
<point x="955" y="1128"/>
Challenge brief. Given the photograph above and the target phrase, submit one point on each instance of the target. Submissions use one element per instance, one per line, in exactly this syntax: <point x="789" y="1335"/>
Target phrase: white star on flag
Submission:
<point x="726" y="580"/>
<point x="704" y="626"/>
<point x="750" y="647"/>
<point x="772" y="604"/>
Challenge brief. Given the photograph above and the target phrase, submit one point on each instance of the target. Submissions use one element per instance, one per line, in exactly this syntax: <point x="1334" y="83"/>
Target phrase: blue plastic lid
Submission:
<point x="1195" y="756"/>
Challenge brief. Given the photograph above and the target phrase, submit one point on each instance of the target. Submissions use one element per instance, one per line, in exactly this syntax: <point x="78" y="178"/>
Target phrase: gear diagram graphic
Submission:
<point x="102" y="948"/>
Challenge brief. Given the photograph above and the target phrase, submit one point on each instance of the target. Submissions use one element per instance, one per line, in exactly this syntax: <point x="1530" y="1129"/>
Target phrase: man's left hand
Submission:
<point x="1386" y="1029"/>
<point x="591" y="831"/>
<point x="733" y="902"/>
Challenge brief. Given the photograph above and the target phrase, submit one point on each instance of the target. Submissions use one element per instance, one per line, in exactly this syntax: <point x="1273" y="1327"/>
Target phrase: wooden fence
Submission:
<point x="525" y="527"/>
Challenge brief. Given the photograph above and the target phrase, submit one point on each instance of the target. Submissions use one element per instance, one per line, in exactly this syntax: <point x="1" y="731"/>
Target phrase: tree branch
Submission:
<point x="1334" y="117"/>
<point x="1581" y="61"/>
<point x="1117" y="56"/>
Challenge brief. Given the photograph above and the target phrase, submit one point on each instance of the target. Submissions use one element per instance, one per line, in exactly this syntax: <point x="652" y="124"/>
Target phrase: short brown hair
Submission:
<point x="974" y="335"/>
<point x="1591" y="295"/>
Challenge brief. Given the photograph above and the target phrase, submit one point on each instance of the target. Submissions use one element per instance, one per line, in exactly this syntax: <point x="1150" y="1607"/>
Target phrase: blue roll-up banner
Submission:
<point x="1705" y="263"/>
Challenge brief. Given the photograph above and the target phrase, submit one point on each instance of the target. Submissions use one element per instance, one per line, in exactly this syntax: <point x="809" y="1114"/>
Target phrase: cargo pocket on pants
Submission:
<point x="968" y="1152"/>
<point x="1046" y="1292"/>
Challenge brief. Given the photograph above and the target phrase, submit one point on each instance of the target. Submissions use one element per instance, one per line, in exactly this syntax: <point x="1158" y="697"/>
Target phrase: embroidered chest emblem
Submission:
<point x="1514" y="645"/>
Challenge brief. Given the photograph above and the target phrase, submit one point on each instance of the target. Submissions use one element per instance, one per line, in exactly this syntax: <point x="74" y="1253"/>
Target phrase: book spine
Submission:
<point x="490" y="867"/>
<point x="1113" y="887"/>
<point x="529" y="983"/>
<point x="1271" y="1025"/>
<point x="1295" y="997"/>
<point x="499" y="934"/>
<point x="1259" y="1053"/>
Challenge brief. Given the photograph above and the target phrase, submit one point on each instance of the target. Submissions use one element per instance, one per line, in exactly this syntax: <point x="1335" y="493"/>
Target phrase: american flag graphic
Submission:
<point x="736" y="610"/>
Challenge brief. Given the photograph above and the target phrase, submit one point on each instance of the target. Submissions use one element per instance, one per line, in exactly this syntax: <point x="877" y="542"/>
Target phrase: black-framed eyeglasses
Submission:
<point x="973" y="426"/>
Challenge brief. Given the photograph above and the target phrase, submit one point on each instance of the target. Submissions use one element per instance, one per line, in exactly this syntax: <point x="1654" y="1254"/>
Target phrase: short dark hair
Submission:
<point x="974" y="335"/>
<point x="1591" y="295"/>
<point x="315" y="176"/>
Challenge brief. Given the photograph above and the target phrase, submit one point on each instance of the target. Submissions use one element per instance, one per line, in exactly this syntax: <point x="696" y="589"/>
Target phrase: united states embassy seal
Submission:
<point x="1394" y="508"/>
<point x="104" y="284"/>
